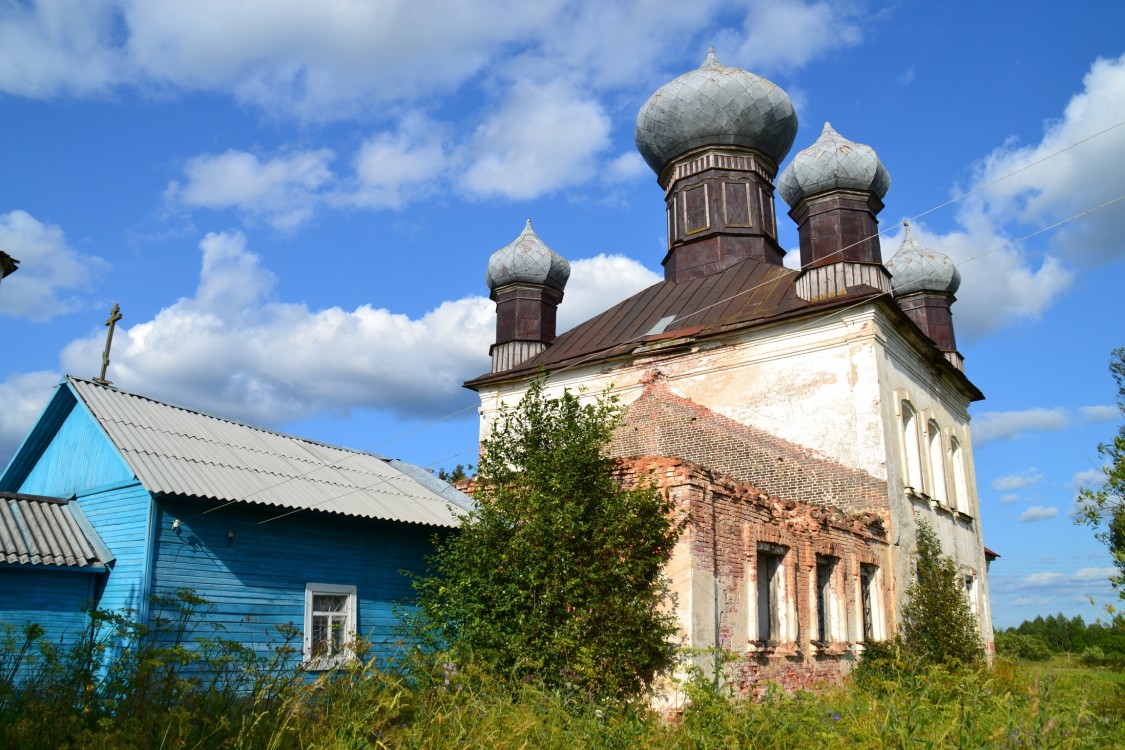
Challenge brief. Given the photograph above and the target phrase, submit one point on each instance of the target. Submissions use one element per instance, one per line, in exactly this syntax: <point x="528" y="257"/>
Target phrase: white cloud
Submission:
<point x="1081" y="178"/>
<point x="393" y="167"/>
<point x="1099" y="413"/>
<point x="541" y="138"/>
<point x="626" y="168"/>
<point x="53" y="47"/>
<point x="996" y="289"/>
<point x="50" y="269"/>
<point x="1089" y="478"/>
<point x="23" y="395"/>
<point x="1094" y="574"/>
<point x="1031" y="601"/>
<point x="233" y="349"/>
<point x="1041" y="580"/>
<point x="320" y="60"/>
<point x="1008" y="425"/>
<point x="599" y="282"/>
<point x="1009" y="499"/>
<point x="1038" y="513"/>
<point x="1024" y="479"/>
<point x="284" y="190"/>
<point x="1003" y="282"/>
<point x="784" y="34"/>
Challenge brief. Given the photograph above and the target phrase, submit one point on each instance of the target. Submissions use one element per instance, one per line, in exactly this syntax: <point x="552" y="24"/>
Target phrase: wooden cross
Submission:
<point x="114" y="316"/>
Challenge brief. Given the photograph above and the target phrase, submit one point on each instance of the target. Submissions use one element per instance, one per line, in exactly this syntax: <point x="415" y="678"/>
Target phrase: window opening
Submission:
<point x="960" y="487"/>
<point x="825" y="568"/>
<point x="866" y="583"/>
<point x="911" y="446"/>
<point x="937" y="463"/>
<point x="771" y="592"/>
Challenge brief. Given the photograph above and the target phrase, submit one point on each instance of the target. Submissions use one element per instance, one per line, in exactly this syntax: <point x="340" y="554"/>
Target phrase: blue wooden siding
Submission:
<point x="121" y="516"/>
<point x="53" y="599"/>
<point x="257" y="581"/>
<point x="78" y="457"/>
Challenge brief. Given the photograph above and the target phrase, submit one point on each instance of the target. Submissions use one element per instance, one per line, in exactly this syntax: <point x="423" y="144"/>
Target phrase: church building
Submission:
<point x="806" y="419"/>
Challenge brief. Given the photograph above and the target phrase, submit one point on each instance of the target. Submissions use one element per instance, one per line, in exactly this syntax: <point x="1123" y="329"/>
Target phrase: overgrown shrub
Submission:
<point x="938" y="627"/>
<point x="558" y="576"/>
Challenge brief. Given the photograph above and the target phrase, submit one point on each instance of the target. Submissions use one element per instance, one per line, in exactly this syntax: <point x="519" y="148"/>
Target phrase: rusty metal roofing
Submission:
<point x="178" y="451"/>
<point x="47" y="531"/>
<point x="747" y="293"/>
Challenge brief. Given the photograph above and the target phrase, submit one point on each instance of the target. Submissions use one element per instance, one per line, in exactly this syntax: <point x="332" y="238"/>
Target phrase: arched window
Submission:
<point x="911" y="447"/>
<point x="960" y="487"/>
<point x="937" y="463"/>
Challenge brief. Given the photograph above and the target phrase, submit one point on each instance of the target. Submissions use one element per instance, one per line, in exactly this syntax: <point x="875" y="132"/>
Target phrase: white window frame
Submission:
<point x="960" y="485"/>
<point x="347" y="654"/>
<point x="937" y="463"/>
<point x="911" y="446"/>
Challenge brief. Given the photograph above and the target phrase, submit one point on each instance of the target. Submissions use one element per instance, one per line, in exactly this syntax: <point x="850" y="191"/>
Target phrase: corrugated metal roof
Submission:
<point x="36" y="530"/>
<point x="177" y="451"/>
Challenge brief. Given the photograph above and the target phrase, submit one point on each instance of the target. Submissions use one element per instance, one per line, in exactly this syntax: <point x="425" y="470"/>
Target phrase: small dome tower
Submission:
<point x="715" y="136"/>
<point x="526" y="279"/>
<point x="835" y="189"/>
<point x="924" y="283"/>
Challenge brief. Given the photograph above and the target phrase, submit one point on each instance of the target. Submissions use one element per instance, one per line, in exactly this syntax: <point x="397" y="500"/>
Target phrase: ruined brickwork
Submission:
<point x="819" y="626"/>
<point x="661" y="423"/>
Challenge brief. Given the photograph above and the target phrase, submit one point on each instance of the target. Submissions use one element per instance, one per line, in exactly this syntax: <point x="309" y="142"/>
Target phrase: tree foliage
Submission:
<point x="938" y="627"/>
<point x="557" y="576"/>
<point x="1104" y="508"/>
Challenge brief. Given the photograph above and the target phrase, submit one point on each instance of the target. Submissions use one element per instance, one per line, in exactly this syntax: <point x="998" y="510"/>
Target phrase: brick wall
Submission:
<point x="660" y="423"/>
<point x="731" y="523"/>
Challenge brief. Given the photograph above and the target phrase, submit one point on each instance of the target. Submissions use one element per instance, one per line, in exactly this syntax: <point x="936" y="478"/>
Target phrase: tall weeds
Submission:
<point x="180" y="684"/>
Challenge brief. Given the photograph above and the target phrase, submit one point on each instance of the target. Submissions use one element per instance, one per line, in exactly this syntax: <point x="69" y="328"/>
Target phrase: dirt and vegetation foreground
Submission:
<point x="209" y="694"/>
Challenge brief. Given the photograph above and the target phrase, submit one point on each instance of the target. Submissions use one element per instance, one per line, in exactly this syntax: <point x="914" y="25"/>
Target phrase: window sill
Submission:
<point x="328" y="664"/>
<point x="785" y="649"/>
<point x="832" y="648"/>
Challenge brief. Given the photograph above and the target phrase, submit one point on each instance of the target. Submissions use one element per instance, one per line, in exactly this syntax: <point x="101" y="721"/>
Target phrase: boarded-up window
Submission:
<point x="825" y="599"/>
<point x="695" y="209"/>
<point x="736" y="204"/>
<point x="771" y="593"/>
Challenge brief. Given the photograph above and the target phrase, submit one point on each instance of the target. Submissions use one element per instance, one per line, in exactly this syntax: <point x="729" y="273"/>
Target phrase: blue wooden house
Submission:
<point x="114" y="499"/>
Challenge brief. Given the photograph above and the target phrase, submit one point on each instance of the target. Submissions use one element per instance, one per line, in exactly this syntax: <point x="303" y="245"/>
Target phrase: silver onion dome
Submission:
<point x="527" y="260"/>
<point x="715" y="105"/>
<point x="916" y="268"/>
<point x="832" y="163"/>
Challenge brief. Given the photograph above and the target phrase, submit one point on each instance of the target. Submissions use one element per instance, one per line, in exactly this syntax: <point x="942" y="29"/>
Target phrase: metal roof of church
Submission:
<point x="178" y="451"/>
<point x="49" y="531"/>
<point x="748" y="293"/>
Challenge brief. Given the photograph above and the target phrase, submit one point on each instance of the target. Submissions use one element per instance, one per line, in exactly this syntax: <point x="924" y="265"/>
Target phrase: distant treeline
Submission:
<point x="1044" y="637"/>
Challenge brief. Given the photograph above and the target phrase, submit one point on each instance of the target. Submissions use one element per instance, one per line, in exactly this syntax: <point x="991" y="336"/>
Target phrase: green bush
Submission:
<point x="938" y="627"/>
<point x="1019" y="646"/>
<point x="558" y="576"/>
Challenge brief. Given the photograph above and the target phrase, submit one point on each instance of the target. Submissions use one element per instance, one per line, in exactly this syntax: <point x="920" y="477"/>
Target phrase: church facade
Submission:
<point x="806" y="419"/>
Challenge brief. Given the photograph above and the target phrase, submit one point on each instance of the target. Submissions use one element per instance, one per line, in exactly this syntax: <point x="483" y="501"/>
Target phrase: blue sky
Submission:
<point x="294" y="204"/>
